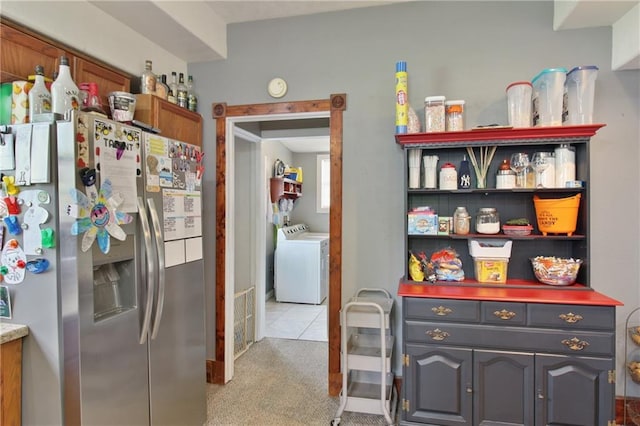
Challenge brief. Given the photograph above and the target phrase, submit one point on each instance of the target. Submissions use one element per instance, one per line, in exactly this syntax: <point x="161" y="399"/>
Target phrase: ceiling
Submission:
<point x="196" y="30"/>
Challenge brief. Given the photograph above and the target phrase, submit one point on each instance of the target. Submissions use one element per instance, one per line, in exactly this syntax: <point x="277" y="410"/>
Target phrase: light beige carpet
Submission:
<point x="280" y="382"/>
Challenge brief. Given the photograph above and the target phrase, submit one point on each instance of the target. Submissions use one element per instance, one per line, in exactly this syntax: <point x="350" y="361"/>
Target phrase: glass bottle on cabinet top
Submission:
<point x="510" y="203"/>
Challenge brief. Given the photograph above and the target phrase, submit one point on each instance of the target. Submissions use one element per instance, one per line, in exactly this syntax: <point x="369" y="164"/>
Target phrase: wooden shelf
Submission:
<point x="285" y="188"/>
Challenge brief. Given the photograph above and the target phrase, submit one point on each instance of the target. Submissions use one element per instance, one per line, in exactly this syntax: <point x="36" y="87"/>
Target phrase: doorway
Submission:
<point x="298" y="310"/>
<point x="220" y="370"/>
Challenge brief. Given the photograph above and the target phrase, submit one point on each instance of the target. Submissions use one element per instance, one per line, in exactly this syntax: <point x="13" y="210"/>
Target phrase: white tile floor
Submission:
<point x="296" y="321"/>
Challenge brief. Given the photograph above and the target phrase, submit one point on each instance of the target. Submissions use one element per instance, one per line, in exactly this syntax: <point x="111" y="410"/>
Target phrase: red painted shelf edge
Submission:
<point x="543" y="294"/>
<point x="583" y="130"/>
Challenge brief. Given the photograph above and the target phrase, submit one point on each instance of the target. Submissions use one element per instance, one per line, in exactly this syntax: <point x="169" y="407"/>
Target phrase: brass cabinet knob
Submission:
<point x="441" y="311"/>
<point x="437" y="334"/>
<point x="575" y="344"/>
<point x="571" y="318"/>
<point x="504" y="314"/>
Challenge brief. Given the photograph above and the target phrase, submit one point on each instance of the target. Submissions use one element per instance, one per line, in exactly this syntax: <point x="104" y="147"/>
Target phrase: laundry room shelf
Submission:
<point x="284" y="188"/>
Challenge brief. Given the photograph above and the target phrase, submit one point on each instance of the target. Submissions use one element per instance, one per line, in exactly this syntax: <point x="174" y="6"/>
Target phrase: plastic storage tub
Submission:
<point x="519" y="103"/>
<point x="557" y="215"/>
<point x="490" y="248"/>
<point x="547" y="98"/>
<point x="434" y="114"/>
<point x="491" y="270"/>
<point x="580" y="87"/>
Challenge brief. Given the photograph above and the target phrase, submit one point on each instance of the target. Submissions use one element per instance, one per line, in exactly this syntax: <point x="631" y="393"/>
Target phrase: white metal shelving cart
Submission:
<point x="367" y="348"/>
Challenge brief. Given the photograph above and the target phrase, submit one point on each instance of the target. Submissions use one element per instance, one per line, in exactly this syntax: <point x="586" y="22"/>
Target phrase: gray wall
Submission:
<point x="463" y="50"/>
<point x="305" y="208"/>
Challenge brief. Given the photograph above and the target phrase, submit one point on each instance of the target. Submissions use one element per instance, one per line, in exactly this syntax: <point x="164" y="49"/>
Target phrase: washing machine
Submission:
<point x="301" y="265"/>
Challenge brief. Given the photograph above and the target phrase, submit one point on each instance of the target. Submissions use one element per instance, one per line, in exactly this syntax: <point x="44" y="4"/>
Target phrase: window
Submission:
<point x="323" y="183"/>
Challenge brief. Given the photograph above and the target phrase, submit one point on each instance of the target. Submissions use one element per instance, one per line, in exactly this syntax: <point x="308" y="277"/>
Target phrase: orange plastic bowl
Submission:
<point x="557" y="215"/>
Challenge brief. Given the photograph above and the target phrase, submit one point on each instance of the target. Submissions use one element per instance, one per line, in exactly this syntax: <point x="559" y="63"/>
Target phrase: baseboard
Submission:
<point x="215" y="372"/>
<point x="620" y="419"/>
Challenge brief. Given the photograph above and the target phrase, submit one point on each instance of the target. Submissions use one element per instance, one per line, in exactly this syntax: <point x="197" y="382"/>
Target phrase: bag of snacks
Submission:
<point x="447" y="265"/>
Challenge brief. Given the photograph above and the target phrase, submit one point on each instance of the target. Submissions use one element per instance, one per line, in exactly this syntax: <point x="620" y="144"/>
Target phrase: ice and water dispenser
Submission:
<point x="114" y="279"/>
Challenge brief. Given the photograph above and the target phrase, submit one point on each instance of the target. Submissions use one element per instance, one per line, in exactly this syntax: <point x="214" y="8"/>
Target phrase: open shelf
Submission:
<point x="500" y="136"/>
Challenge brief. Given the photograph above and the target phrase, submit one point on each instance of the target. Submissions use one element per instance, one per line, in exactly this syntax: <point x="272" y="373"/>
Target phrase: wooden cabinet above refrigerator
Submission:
<point x="173" y="121"/>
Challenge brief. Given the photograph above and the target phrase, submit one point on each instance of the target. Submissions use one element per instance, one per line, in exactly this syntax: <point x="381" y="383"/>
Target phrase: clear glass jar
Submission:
<point x="461" y="221"/>
<point x="487" y="221"/>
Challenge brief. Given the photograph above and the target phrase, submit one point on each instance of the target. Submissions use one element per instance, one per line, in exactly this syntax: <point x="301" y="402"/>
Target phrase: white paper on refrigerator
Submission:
<point x="117" y="150"/>
<point x="40" y="152"/>
<point x="182" y="214"/>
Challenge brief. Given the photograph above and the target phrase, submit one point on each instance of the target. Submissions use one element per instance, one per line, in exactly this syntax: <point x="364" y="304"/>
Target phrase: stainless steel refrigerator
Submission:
<point x="128" y="327"/>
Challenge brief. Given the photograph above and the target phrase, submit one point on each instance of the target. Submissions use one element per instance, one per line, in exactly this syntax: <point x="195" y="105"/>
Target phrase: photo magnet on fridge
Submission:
<point x="5" y="302"/>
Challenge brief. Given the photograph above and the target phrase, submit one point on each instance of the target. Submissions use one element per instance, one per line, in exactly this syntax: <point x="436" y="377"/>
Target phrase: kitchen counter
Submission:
<point x="574" y="294"/>
<point x="11" y="372"/>
<point x="9" y="332"/>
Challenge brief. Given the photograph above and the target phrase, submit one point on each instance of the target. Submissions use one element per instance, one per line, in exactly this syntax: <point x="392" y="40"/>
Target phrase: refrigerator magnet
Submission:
<point x="5" y="302"/>
<point x="13" y="262"/>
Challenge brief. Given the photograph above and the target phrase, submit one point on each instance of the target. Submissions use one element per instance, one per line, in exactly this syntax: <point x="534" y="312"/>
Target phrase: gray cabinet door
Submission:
<point x="438" y="385"/>
<point x="573" y="391"/>
<point x="503" y="388"/>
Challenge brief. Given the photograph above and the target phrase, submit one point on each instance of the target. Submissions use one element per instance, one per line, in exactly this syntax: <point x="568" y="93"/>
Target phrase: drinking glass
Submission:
<point x="519" y="164"/>
<point x="540" y="162"/>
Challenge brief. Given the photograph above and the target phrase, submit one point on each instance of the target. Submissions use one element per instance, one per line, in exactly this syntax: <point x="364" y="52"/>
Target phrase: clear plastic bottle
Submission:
<point x="65" y="95"/>
<point x="192" y="99"/>
<point x="181" y="94"/>
<point x="39" y="96"/>
<point x="173" y="88"/>
<point x="148" y="80"/>
<point x="565" y="162"/>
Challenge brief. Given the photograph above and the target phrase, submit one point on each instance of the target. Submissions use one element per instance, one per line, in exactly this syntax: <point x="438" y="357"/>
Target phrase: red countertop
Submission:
<point x="576" y="294"/>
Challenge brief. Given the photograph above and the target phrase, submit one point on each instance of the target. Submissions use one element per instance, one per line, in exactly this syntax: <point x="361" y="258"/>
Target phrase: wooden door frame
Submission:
<point x="336" y="104"/>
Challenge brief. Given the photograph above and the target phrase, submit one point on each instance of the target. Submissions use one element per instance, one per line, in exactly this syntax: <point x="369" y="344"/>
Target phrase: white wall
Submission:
<point x="88" y="29"/>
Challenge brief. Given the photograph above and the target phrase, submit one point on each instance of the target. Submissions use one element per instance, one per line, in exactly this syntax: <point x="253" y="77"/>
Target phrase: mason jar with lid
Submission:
<point x="487" y="221"/>
<point x="434" y="115"/>
<point x="461" y="221"/>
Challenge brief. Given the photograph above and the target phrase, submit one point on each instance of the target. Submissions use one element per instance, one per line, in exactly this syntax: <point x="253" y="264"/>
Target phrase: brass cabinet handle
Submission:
<point x="437" y="334"/>
<point x="504" y="314"/>
<point x="571" y="318"/>
<point x="575" y="344"/>
<point x="441" y="311"/>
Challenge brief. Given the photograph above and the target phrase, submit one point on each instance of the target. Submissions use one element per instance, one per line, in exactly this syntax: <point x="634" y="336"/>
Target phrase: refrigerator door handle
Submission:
<point x="151" y="272"/>
<point x="155" y="220"/>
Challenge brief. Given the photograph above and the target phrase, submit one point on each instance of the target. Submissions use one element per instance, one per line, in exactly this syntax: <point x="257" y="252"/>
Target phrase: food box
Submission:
<point x="445" y="225"/>
<point x="491" y="270"/>
<point x="422" y="223"/>
<point x="490" y="248"/>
